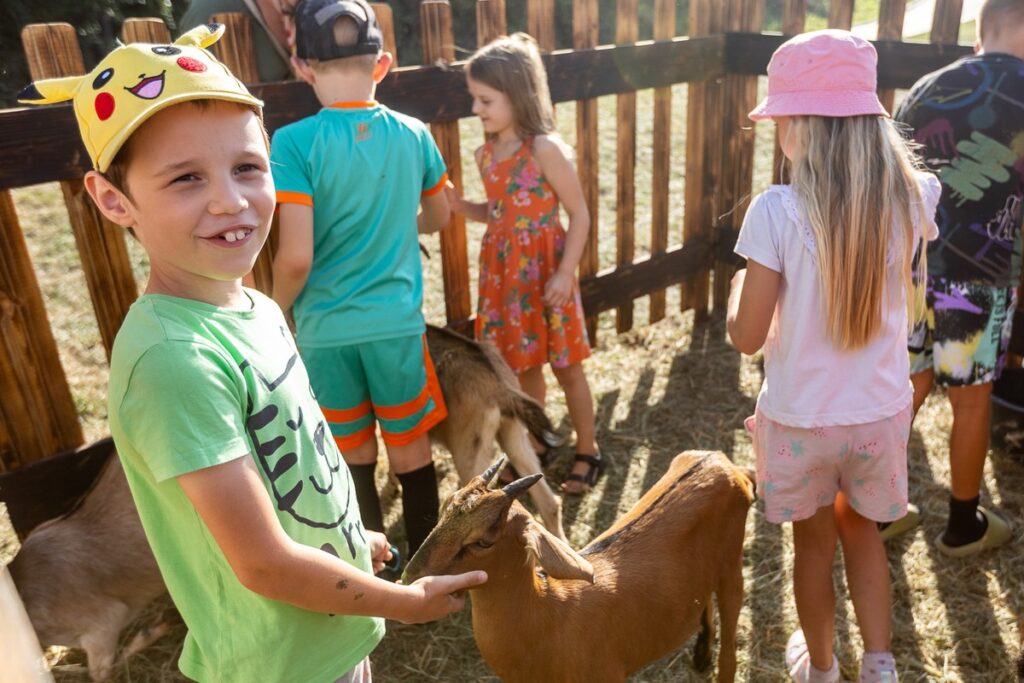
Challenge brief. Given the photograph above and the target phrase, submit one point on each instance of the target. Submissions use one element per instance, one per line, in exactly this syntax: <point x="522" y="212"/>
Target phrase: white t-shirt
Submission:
<point x="808" y="381"/>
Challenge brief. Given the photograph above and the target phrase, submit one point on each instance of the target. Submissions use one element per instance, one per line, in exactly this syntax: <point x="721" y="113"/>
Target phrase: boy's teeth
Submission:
<point x="229" y="237"/>
<point x="235" y="236"/>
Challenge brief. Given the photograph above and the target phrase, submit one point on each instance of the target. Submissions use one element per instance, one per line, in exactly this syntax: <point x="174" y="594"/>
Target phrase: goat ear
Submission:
<point x="555" y="556"/>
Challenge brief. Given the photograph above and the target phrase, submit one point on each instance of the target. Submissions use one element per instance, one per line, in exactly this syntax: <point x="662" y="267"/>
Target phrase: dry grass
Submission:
<point x="659" y="389"/>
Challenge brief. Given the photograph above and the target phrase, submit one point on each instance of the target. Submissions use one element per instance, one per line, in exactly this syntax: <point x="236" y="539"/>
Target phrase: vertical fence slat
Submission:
<point x="490" y="21"/>
<point x="704" y="116"/>
<point x="737" y="145"/>
<point x="890" y="27"/>
<point x="386" y="19"/>
<point x="52" y="50"/>
<point x="794" y="18"/>
<point x="585" y="35"/>
<point x="439" y="43"/>
<point x="664" y="29"/>
<point x="840" y="14"/>
<point x="627" y="30"/>
<point x="145" y="31"/>
<point x="37" y="414"/>
<point x="235" y="48"/>
<point x="540" y="23"/>
<point x="946" y="22"/>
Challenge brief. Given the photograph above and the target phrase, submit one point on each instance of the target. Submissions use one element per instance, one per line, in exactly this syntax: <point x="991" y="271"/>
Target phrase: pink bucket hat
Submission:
<point x="822" y="73"/>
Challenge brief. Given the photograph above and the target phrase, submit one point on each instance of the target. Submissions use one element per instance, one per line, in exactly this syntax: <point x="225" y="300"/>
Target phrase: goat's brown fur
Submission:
<point x="633" y="595"/>
<point x="485" y="404"/>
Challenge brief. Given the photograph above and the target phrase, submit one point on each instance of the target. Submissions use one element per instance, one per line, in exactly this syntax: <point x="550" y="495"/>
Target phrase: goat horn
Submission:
<point x="521" y="484"/>
<point x="491" y="473"/>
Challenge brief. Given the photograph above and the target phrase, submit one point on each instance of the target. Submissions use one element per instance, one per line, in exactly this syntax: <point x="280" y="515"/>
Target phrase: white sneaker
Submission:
<point x="798" y="663"/>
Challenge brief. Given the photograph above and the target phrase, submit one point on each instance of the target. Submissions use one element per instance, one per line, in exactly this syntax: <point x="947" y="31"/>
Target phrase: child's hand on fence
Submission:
<point x="380" y="549"/>
<point x="455" y="199"/>
<point x="558" y="290"/>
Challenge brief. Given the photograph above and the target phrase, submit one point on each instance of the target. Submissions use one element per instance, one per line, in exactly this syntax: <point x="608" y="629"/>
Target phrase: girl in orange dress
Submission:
<point x="529" y="300"/>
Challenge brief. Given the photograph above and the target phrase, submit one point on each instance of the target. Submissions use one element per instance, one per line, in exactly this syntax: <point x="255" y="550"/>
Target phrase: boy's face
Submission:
<point x="492" y="107"/>
<point x="201" y="197"/>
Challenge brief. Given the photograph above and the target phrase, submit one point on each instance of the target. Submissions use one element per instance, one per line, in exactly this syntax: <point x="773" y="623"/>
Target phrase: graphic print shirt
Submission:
<point x="970" y="119"/>
<point x="192" y="386"/>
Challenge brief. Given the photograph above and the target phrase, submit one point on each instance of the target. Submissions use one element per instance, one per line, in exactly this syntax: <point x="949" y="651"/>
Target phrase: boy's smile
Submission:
<point x="200" y="198"/>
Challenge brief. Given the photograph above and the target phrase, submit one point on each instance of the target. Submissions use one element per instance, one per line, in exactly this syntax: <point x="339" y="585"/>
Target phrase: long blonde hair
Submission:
<point x="855" y="180"/>
<point x="512" y="65"/>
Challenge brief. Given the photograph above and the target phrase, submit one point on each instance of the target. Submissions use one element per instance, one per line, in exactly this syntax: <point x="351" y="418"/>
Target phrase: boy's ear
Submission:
<point x="303" y="70"/>
<point x="111" y="202"/>
<point x="382" y="67"/>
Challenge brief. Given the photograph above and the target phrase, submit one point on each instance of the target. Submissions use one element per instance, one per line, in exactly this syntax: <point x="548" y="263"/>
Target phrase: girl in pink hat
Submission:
<point x="828" y="294"/>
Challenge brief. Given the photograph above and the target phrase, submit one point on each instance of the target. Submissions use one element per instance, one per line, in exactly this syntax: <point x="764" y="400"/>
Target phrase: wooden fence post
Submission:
<point x="145" y="31"/>
<point x="37" y="413"/>
<point x="52" y="51"/>
<point x="890" y="27"/>
<point x="584" y="35"/>
<point x="626" y="31"/>
<point x="664" y="29"/>
<point x="439" y="44"/>
<point x="540" y="23"/>
<point x="840" y="14"/>
<point x="386" y="20"/>
<point x="235" y="48"/>
<point x="490" y="21"/>
<point x="737" y="147"/>
<point x="704" y="115"/>
<point x="946" y="22"/>
<point x="794" y="17"/>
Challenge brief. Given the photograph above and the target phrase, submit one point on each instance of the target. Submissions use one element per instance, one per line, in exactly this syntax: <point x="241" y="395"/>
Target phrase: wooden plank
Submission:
<point x="737" y="151"/>
<point x="145" y="31"/>
<point x="664" y="29"/>
<point x="37" y="413"/>
<point x="235" y="48"/>
<point x="439" y="44"/>
<point x="490" y="21"/>
<point x="794" y="18"/>
<point x="840" y="14"/>
<point x="946" y="22"/>
<point x="52" y="487"/>
<point x="540" y="23"/>
<point x="627" y="30"/>
<point x="890" y="27"/>
<point x="584" y="35"/>
<point x="52" y="51"/>
<point x="386" y="20"/>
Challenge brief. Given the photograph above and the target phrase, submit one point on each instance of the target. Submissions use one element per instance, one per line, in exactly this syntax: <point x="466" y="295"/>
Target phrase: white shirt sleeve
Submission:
<point x="759" y="236"/>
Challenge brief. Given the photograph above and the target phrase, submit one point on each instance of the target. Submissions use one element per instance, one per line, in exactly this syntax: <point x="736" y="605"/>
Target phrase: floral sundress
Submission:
<point x="521" y="249"/>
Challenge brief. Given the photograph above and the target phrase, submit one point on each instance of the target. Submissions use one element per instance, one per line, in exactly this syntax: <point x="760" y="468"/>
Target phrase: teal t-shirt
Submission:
<point x="191" y="386"/>
<point x="363" y="168"/>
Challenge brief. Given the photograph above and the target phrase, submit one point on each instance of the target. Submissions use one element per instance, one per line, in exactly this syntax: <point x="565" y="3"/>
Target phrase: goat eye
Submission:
<point x="483" y="544"/>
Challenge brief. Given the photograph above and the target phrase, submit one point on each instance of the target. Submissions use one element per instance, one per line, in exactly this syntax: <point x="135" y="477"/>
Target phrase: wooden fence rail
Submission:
<point x="719" y="61"/>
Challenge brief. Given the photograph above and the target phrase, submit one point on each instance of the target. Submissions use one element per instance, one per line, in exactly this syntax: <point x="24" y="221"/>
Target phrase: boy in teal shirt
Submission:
<point x="245" y="500"/>
<point x="350" y="180"/>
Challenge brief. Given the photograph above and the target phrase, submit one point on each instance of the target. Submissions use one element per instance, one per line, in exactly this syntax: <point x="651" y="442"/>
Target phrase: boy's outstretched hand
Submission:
<point x="439" y="596"/>
<point x="380" y="549"/>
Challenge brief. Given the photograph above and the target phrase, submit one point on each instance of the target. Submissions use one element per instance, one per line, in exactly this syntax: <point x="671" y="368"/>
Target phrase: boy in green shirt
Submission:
<point x="245" y="499"/>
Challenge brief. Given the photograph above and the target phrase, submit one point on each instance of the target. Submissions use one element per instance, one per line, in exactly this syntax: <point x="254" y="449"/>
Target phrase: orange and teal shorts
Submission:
<point x="390" y="382"/>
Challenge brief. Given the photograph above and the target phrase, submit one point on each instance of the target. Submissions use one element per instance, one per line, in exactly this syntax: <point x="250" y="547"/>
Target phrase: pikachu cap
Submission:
<point x="136" y="81"/>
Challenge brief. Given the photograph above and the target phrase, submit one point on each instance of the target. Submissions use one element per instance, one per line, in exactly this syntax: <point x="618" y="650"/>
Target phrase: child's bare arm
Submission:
<point x="233" y="503"/>
<point x="435" y="213"/>
<point x="476" y="211"/>
<point x="752" y="298"/>
<point x="294" y="256"/>
<point x="559" y="171"/>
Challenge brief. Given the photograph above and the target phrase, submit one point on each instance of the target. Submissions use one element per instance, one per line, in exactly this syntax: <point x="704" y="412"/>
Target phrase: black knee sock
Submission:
<point x="966" y="524"/>
<point x="419" y="502"/>
<point x="366" y="494"/>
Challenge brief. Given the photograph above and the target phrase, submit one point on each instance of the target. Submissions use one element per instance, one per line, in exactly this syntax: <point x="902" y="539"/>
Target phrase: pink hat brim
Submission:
<point x="819" y="103"/>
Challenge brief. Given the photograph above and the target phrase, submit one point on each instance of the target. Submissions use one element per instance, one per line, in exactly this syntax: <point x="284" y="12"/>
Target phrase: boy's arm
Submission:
<point x="294" y="256"/>
<point x="435" y="213"/>
<point x="233" y="503"/>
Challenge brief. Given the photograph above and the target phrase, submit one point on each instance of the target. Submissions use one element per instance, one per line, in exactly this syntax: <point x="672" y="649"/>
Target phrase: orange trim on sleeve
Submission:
<point x="346" y="414"/>
<point x="436" y="188"/>
<point x="285" y="197"/>
<point x="357" y="439"/>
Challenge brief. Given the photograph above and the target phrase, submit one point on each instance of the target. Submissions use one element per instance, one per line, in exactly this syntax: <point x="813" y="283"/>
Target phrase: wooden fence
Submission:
<point x="720" y="61"/>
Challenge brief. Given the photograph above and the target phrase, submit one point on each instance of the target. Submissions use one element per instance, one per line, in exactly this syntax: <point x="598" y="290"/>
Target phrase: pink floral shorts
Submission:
<point x="800" y="470"/>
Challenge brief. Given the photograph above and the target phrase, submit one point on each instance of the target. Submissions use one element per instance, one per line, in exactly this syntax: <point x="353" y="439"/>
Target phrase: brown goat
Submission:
<point x="85" y="576"/>
<point x="486" y="404"/>
<point x="637" y="592"/>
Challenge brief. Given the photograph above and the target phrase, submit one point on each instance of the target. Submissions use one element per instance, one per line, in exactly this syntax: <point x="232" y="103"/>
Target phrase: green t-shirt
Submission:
<point x="191" y="386"/>
<point x="269" y="62"/>
<point x="363" y="168"/>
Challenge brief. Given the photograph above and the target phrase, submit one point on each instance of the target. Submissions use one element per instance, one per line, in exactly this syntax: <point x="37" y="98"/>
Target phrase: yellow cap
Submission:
<point x="134" y="82"/>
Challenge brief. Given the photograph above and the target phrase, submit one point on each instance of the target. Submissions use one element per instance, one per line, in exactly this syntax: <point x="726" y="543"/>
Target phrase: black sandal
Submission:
<point x="590" y="478"/>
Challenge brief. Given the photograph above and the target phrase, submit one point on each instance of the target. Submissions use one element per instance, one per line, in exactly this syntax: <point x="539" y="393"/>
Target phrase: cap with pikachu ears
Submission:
<point x="134" y="82"/>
